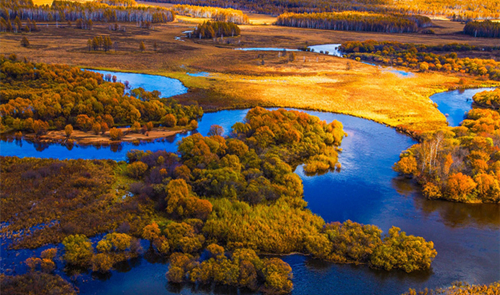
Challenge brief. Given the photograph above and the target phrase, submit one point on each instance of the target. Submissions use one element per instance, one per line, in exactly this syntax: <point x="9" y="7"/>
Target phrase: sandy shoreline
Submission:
<point x="90" y="137"/>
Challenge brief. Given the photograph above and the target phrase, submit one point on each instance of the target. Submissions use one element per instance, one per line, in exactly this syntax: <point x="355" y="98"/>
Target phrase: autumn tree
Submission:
<point x="137" y="169"/>
<point x="169" y="120"/>
<point x="96" y="127"/>
<point x="408" y="253"/>
<point x="115" y="133"/>
<point x="78" y="250"/>
<point x="151" y="232"/>
<point x="25" y="42"/>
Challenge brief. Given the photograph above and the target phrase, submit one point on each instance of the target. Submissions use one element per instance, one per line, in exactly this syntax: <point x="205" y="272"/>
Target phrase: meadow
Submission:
<point x="241" y="79"/>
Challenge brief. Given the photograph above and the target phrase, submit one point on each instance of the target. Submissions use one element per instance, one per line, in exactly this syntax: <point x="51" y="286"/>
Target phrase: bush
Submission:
<point x="183" y="121"/>
<point x="169" y="120"/>
<point x="137" y="169"/>
<point x="25" y="42"/>
<point x="68" y="130"/>
<point x="78" y="250"/>
<point x="115" y="133"/>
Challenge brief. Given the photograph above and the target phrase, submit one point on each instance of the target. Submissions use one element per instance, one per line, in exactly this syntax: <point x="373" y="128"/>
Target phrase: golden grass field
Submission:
<point x="239" y="80"/>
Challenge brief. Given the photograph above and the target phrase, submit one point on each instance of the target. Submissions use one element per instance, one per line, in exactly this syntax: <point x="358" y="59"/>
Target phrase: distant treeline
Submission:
<point x="214" y="13"/>
<point x="118" y="2"/>
<point x="355" y="21"/>
<point x="454" y="9"/>
<point x="487" y="29"/>
<point x="422" y="57"/>
<point x="215" y="29"/>
<point x="72" y="11"/>
<point x="277" y="7"/>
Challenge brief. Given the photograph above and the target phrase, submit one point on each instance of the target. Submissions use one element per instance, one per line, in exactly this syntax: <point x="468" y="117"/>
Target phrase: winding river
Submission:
<point x="366" y="190"/>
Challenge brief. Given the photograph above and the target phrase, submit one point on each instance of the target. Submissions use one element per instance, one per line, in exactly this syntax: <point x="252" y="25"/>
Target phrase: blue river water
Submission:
<point x="366" y="190"/>
<point x="455" y="104"/>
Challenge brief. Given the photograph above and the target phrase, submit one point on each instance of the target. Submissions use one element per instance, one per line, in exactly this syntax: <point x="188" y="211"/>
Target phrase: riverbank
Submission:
<point x="88" y="138"/>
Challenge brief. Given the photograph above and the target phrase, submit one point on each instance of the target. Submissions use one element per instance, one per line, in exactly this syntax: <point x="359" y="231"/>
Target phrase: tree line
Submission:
<point x="453" y="9"/>
<point x="36" y="97"/>
<point x="460" y="164"/>
<point x="62" y="11"/>
<point x="355" y="21"/>
<point x="214" y="13"/>
<point x="16" y="26"/>
<point x="215" y="29"/>
<point x="487" y="29"/>
<point x="422" y="57"/>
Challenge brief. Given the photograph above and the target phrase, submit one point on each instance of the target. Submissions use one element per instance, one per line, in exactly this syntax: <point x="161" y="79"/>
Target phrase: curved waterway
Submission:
<point x="366" y="190"/>
<point x="167" y="86"/>
<point x="455" y="104"/>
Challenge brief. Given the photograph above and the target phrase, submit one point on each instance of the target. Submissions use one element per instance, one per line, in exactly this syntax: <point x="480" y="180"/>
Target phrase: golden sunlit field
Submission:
<point x="239" y="79"/>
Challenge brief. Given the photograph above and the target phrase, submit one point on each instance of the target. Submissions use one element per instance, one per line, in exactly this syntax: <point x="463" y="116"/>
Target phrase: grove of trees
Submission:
<point x="460" y="164"/>
<point x="457" y="10"/>
<point x="93" y="11"/>
<point x="487" y="29"/>
<point x="355" y="21"/>
<point x="414" y="56"/>
<point x="215" y="29"/>
<point x="214" y="13"/>
<point x="38" y="97"/>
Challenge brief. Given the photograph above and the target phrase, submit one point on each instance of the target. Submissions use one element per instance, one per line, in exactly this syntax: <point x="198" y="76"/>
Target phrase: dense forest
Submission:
<point x="215" y="29"/>
<point x="214" y="13"/>
<point x="36" y="97"/>
<point x="460" y="164"/>
<point x="487" y="29"/>
<point x="454" y="9"/>
<point x="424" y="58"/>
<point x="355" y="21"/>
<point x="233" y="196"/>
<point x="88" y="11"/>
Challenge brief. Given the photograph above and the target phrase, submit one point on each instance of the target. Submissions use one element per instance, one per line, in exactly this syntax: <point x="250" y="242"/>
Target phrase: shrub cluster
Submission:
<point x="460" y="164"/>
<point x="53" y="96"/>
<point x="423" y="57"/>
